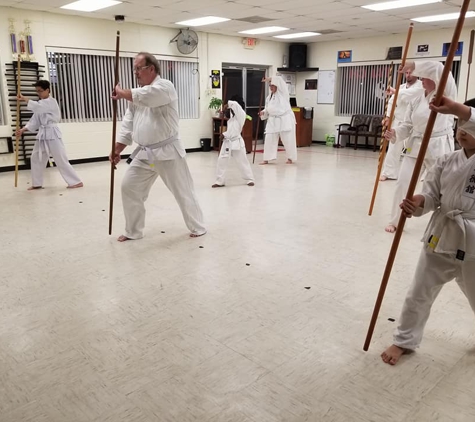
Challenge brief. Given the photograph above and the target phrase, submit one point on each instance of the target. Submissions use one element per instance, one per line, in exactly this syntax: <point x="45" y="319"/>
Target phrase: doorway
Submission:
<point x="245" y="80"/>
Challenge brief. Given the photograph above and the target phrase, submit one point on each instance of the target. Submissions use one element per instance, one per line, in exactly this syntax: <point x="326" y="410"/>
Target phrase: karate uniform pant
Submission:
<point x="402" y="184"/>
<point x="392" y="162"/>
<point x="433" y="271"/>
<point x="241" y="161"/>
<point x="58" y="152"/>
<point x="271" y="145"/>
<point x="136" y="186"/>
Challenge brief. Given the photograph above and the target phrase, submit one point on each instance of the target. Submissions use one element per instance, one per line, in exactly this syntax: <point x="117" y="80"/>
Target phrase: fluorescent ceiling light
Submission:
<point x="298" y="35"/>
<point x="446" y="17"/>
<point x="90" y="5"/>
<point x="207" y="20"/>
<point x="265" y="30"/>
<point x="398" y="4"/>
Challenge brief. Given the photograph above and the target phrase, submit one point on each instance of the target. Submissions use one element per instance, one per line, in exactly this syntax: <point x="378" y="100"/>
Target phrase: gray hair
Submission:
<point x="150" y="60"/>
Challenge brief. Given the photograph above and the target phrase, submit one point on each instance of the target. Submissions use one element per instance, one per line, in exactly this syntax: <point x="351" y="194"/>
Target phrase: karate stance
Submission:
<point x="233" y="145"/>
<point x="392" y="162"/>
<point x="280" y="122"/>
<point x="413" y="127"/>
<point x="449" y="240"/>
<point x="45" y="119"/>
<point x="151" y="121"/>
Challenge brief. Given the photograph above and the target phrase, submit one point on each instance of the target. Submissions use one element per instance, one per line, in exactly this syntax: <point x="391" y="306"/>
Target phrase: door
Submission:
<point x="246" y="81"/>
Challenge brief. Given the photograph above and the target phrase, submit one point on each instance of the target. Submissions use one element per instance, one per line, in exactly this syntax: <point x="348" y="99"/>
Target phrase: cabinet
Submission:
<point x="246" y="133"/>
<point x="304" y="129"/>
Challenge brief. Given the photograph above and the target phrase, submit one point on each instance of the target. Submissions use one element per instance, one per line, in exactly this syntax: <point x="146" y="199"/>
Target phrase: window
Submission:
<point x="82" y="85"/>
<point x="362" y="87"/>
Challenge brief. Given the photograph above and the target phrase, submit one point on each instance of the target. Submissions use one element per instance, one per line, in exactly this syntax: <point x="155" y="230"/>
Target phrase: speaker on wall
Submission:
<point x="297" y="56"/>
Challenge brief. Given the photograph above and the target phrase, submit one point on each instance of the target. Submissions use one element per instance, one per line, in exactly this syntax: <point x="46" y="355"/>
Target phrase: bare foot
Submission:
<point x="264" y="163"/>
<point x="217" y="186"/>
<point x="250" y="184"/>
<point x="79" y="185"/>
<point x="35" y="187"/>
<point x="123" y="238"/>
<point x="392" y="354"/>
<point x="197" y="235"/>
<point x="289" y="161"/>
<point x="383" y="178"/>
<point x="390" y="228"/>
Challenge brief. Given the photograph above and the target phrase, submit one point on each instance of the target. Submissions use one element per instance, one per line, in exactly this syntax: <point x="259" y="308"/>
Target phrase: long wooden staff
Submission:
<point x="18" y="108"/>
<point x="384" y="141"/>
<point x="470" y="56"/>
<point x="258" y="120"/>
<point x="114" y="130"/>
<point x="417" y="170"/>
<point x="225" y="86"/>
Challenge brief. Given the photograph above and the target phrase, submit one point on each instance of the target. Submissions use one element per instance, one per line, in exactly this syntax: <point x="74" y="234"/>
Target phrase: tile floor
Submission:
<point x="163" y="330"/>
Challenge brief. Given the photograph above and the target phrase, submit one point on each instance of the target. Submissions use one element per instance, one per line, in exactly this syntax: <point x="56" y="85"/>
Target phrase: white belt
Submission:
<point x="43" y="141"/>
<point x="458" y="216"/>
<point x="149" y="150"/>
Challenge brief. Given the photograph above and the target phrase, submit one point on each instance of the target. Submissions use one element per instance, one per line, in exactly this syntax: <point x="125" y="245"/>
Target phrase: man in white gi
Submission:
<point x="233" y="145"/>
<point x="393" y="156"/>
<point x="414" y="125"/>
<point x="45" y="119"/>
<point x="449" y="240"/>
<point x="151" y="121"/>
<point x="281" y="122"/>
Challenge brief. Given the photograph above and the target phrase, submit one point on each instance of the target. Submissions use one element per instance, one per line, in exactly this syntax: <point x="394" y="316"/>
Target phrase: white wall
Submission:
<point x="324" y="56"/>
<point x="87" y="140"/>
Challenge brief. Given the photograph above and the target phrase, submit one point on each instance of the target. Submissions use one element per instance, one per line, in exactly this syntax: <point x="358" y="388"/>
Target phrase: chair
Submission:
<point x="372" y="129"/>
<point x="357" y="123"/>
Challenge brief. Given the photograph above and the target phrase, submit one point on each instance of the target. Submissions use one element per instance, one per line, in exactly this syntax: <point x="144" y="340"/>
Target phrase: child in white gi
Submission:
<point x="449" y="240"/>
<point x="45" y="119"/>
<point x="233" y="144"/>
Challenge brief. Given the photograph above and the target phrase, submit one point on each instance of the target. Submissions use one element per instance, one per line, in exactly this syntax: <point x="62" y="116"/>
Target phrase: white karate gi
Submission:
<point x="449" y="242"/>
<point x="233" y="146"/>
<point x="45" y="119"/>
<point x="392" y="161"/>
<point x="280" y="122"/>
<point x="413" y="127"/>
<point x="152" y="118"/>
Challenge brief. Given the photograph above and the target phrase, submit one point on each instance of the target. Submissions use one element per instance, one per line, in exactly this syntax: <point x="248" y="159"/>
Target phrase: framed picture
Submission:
<point x="344" y="56"/>
<point x="311" y="84"/>
<point x="446" y="48"/>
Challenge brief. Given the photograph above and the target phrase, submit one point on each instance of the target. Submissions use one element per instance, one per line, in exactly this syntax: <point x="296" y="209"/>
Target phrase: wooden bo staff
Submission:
<point x="384" y="141"/>
<point x="114" y="130"/>
<point x="18" y="118"/>
<point x="225" y="83"/>
<point x="417" y="170"/>
<point x="258" y="120"/>
<point x="469" y="62"/>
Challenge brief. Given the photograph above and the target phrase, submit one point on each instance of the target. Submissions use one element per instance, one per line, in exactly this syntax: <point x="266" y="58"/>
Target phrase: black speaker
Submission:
<point x="297" y="56"/>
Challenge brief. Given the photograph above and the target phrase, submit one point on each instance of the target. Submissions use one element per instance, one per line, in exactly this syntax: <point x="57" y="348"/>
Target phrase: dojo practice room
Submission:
<point x="237" y="211"/>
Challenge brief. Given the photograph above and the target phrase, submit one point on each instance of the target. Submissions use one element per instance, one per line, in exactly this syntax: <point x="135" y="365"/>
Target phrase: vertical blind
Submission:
<point x="362" y="88"/>
<point x="82" y="85"/>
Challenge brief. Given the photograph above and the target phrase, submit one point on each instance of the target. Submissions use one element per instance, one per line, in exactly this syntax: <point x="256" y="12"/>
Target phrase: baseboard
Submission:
<point x="82" y="161"/>
<point x="319" y="142"/>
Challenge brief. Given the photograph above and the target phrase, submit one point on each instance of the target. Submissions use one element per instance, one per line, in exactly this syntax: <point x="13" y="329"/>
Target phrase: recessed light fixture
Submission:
<point x="398" y="4"/>
<point x="265" y="30"/>
<point x="446" y="17"/>
<point x="207" y="20"/>
<point x="298" y="35"/>
<point x="90" y="5"/>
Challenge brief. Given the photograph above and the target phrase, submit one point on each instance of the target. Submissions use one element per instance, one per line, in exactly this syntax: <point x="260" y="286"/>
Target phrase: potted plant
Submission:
<point x="215" y="105"/>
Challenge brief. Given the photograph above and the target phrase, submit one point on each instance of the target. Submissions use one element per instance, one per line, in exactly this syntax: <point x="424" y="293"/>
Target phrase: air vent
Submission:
<point x="255" y="19"/>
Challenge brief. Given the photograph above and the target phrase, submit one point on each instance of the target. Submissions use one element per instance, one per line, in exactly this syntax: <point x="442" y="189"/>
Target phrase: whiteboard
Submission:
<point x="326" y="87"/>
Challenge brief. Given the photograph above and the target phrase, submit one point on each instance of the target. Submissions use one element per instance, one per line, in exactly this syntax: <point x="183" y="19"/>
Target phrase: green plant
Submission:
<point x="215" y="103"/>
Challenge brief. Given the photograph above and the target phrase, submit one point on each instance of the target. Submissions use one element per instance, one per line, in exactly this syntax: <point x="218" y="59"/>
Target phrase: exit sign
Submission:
<point x="249" y="43"/>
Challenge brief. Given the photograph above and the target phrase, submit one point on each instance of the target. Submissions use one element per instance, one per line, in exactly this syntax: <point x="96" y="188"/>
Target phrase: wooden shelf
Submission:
<point x="300" y="69"/>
